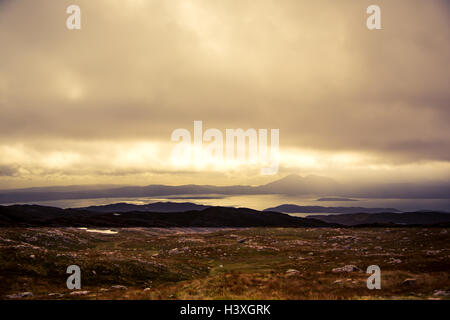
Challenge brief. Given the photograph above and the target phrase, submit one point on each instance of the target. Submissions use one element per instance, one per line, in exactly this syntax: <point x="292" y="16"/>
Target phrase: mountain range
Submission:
<point x="293" y="208"/>
<point x="108" y="217"/>
<point x="40" y="216"/>
<point x="151" y="207"/>
<point x="421" y="218"/>
<point x="189" y="206"/>
<point x="290" y="185"/>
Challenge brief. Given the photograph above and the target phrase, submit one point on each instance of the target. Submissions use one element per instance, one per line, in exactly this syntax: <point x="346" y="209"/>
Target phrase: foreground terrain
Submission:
<point x="208" y="263"/>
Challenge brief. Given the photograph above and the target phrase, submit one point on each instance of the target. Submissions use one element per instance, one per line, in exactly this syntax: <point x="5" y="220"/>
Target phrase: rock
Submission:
<point x="174" y="251"/>
<point x="119" y="287"/>
<point x="147" y="289"/>
<point x="32" y="256"/>
<point x="292" y="272"/>
<point x="347" y="268"/>
<point x="242" y="240"/>
<point x="79" y="293"/>
<point x="409" y="282"/>
<point x="444" y="232"/>
<point x="55" y="295"/>
<point x="393" y="260"/>
<point x="20" y="295"/>
<point x="441" y="293"/>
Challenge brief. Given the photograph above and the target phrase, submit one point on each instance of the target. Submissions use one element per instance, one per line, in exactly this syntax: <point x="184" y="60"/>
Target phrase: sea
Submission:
<point x="260" y="202"/>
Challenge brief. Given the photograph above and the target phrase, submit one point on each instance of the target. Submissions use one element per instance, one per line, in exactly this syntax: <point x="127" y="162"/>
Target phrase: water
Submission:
<point x="260" y="202"/>
<point x="99" y="231"/>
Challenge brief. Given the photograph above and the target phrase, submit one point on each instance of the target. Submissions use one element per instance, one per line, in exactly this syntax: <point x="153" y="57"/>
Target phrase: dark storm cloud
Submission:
<point x="8" y="171"/>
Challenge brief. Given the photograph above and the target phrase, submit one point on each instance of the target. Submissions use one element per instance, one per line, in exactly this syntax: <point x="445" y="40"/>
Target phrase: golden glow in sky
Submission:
<point x="98" y="105"/>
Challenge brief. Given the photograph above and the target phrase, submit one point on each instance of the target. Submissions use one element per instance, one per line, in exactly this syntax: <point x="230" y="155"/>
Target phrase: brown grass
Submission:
<point x="216" y="265"/>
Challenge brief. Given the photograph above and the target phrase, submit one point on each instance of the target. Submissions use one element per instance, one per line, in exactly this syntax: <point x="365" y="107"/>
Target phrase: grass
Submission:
<point x="225" y="264"/>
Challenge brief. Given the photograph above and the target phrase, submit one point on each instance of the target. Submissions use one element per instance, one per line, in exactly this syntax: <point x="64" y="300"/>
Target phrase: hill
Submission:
<point x="152" y="207"/>
<point x="387" y="218"/>
<point x="38" y="216"/>
<point x="289" y="185"/>
<point x="292" y="208"/>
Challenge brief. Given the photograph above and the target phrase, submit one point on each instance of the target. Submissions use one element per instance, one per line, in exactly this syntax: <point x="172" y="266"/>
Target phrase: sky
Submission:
<point x="99" y="105"/>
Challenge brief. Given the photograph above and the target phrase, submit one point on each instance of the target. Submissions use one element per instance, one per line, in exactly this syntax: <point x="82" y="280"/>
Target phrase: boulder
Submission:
<point x="441" y="293"/>
<point x="174" y="251"/>
<point x="79" y="293"/>
<point x="20" y="295"/>
<point x="292" y="272"/>
<point x="347" y="268"/>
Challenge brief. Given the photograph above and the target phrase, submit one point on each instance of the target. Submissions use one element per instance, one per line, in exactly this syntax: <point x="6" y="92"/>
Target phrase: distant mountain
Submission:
<point x="294" y="184"/>
<point x="37" y="216"/>
<point x="336" y="199"/>
<point x="317" y="185"/>
<point x="151" y="207"/>
<point x="26" y="195"/>
<point x="293" y="208"/>
<point x="73" y="188"/>
<point x="428" y="190"/>
<point x="290" y="185"/>
<point x="387" y="218"/>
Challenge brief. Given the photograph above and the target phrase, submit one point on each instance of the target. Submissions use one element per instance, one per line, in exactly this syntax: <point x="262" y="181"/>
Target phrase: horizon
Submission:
<point x="292" y="189"/>
<point x="236" y="151"/>
<point x="99" y="105"/>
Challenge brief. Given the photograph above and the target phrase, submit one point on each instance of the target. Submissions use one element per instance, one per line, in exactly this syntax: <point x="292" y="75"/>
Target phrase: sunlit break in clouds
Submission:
<point x="99" y="104"/>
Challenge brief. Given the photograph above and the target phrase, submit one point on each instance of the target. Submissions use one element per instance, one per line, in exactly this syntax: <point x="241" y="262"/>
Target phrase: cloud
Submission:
<point x="8" y="171"/>
<point x="140" y="69"/>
